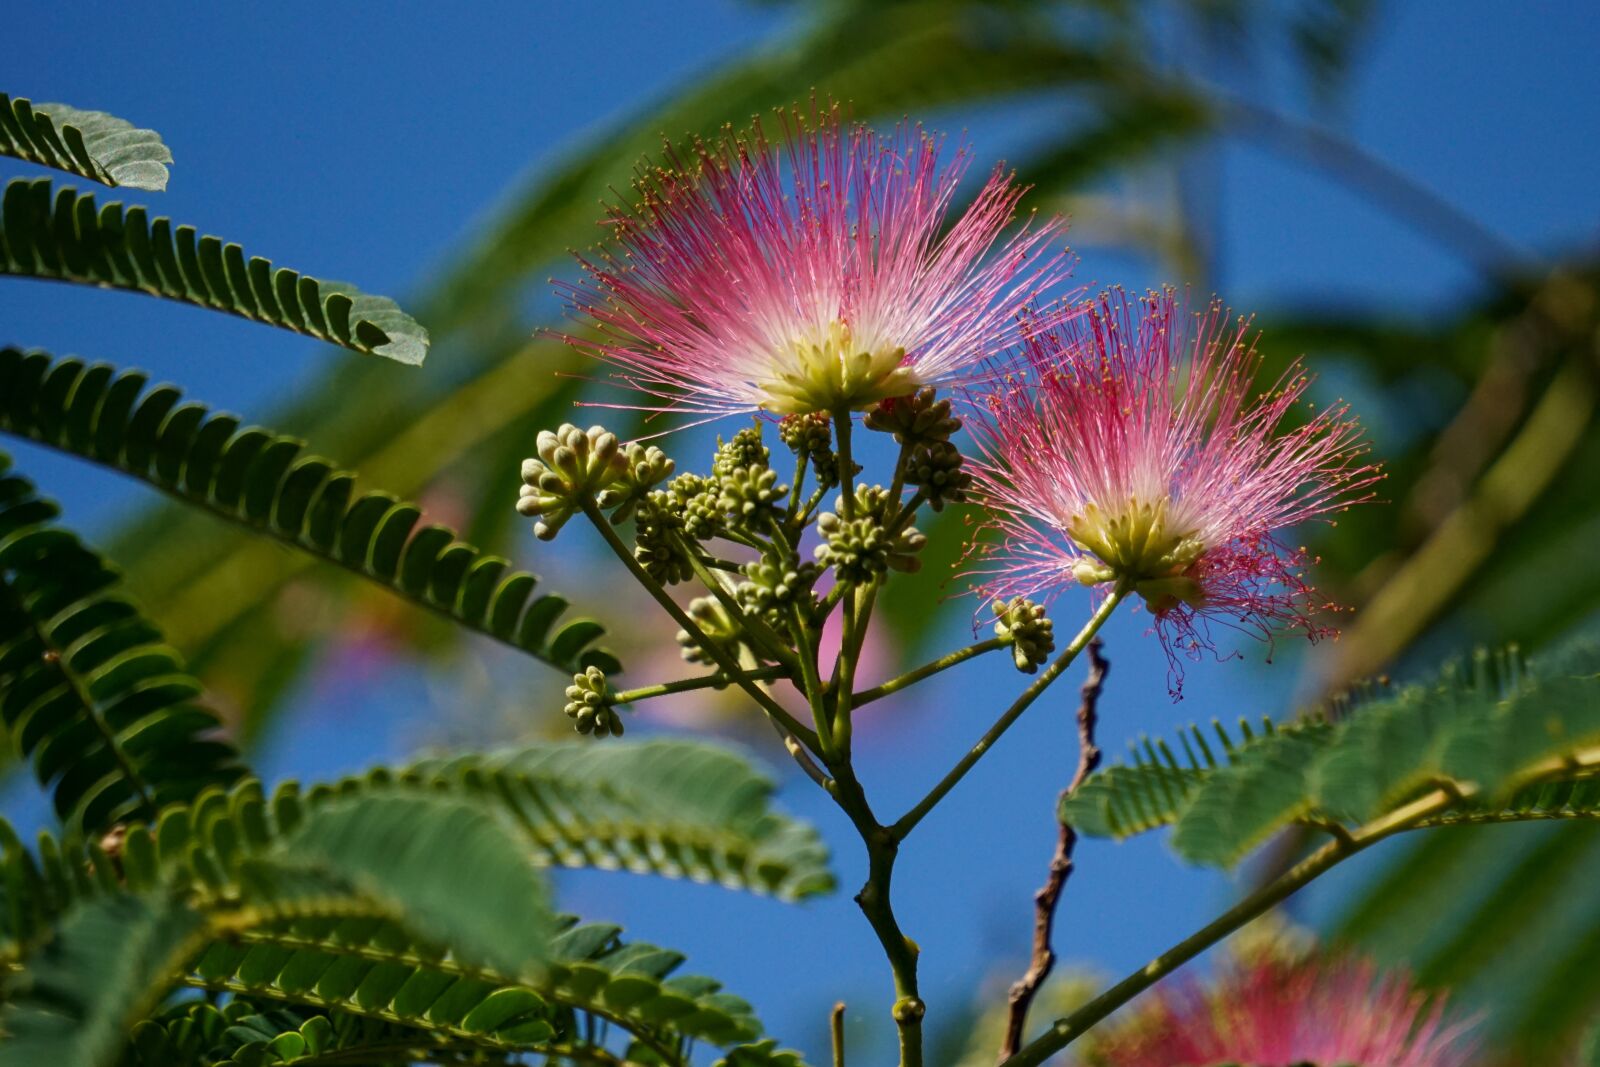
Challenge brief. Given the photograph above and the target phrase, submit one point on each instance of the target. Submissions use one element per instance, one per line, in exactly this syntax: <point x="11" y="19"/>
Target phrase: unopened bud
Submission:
<point x="1032" y="635"/>
<point x="589" y="705"/>
<point x="572" y="464"/>
<point x="646" y="467"/>
<point x="937" y="469"/>
<point x="920" y="418"/>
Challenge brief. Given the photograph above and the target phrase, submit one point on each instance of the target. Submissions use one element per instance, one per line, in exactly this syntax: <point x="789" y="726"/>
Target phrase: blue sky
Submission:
<point x="364" y="142"/>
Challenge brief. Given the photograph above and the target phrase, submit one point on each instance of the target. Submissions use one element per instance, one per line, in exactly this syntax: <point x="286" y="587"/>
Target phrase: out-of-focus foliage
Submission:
<point x="1506" y="742"/>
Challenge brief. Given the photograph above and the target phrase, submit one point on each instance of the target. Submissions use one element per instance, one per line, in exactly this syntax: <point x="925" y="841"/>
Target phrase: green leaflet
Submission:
<point x="338" y="934"/>
<point x="676" y="808"/>
<point x="88" y="689"/>
<point x="1233" y="811"/>
<point x="1514" y="743"/>
<point x="267" y="483"/>
<point x="90" y="144"/>
<point x="1152" y="789"/>
<point x="452" y="872"/>
<point x="106" y="966"/>
<point x="60" y="235"/>
<point x="245" y="1033"/>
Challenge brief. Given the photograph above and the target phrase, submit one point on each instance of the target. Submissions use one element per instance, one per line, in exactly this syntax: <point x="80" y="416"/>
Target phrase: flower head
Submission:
<point x="1272" y="1013"/>
<point x="1130" y="448"/>
<point x="814" y="274"/>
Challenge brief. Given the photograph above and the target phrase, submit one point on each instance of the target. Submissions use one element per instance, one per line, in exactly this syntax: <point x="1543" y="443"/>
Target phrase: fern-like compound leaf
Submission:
<point x="62" y="235"/>
<point x="89" y="691"/>
<point x="268" y="483"/>
<point x="90" y="144"/>
<point x="1508" y="742"/>
<point x="682" y="809"/>
<point x="343" y="943"/>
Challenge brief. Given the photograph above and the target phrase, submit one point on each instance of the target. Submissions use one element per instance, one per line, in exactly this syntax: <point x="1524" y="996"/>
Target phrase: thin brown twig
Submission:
<point x="1024" y="989"/>
<point x="836" y="1029"/>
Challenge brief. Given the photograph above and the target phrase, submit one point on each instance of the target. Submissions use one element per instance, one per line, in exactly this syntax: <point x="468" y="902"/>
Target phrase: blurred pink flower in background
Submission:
<point x="1271" y="1013"/>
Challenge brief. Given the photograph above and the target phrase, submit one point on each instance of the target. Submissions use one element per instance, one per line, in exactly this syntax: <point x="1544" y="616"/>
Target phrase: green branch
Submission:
<point x="720" y="680"/>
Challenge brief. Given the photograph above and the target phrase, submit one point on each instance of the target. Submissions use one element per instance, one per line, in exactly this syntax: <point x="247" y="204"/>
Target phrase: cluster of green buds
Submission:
<point x="1023" y="623"/>
<point x="923" y="424"/>
<point x="742" y="451"/>
<point x="573" y="464"/>
<point x="921" y="418"/>
<point x="767" y="599"/>
<point x="871" y="542"/>
<point x="810" y="438"/>
<point x="773" y="588"/>
<point x="647" y="467"/>
<point x="589" y="705"/>
<point x="937" y="469"/>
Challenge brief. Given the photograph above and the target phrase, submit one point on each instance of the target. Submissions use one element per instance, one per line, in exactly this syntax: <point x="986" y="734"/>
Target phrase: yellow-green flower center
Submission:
<point x="834" y="372"/>
<point x="1142" y="545"/>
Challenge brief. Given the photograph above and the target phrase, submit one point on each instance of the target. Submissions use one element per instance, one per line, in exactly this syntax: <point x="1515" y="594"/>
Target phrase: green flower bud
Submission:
<point x="718" y="626"/>
<point x="742" y="450"/>
<point x="916" y="419"/>
<point x="696" y="502"/>
<point x="806" y="434"/>
<point x="1032" y="636"/>
<point x="647" y="467"/>
<point x="811" y="436"/>
<point x="656" y="544"/>
<point x="936" y="467"/>
<point x="861" y="549"/>
<point x="745" y="492"/>
<point x="660" y="552"/>
<point x="572" y="464"/>
<point x="589" y="706"/>
<point x="769" y="587"/>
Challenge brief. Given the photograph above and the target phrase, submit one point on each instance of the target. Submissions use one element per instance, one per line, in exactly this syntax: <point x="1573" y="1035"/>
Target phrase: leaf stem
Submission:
<point x="928" y="670"/>
<point x="909" y="820"/>
<point x="720" y="680"/>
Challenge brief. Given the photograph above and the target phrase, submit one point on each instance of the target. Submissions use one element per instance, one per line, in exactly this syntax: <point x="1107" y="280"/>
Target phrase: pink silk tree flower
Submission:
<point x="1129" y="447"/>
<point x="1267" y="1013"/>
<point x="814" y="274"/>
